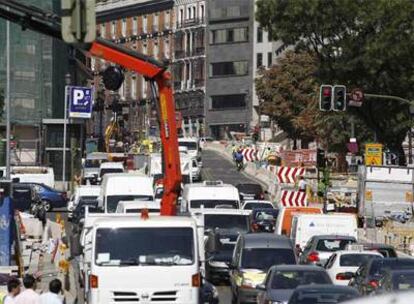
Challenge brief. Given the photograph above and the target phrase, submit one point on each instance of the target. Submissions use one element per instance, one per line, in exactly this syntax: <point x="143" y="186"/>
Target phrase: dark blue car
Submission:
<point x="51" y="198"/>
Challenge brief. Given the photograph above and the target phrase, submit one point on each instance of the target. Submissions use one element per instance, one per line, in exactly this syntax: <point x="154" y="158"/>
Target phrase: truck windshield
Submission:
<point x="264" y="258"/>
<point x="110" y="170"/>
<point x="227" y="222"/>
<point x="113" y="200"/>
<point x="190" y="145"/>
<point x="212" y="204"/>
<point x="144" y="246"/>
<point x="94" y="163"/>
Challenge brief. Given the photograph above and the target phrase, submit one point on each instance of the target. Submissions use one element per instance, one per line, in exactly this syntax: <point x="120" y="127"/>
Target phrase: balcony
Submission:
<point x="190" y="22"/>
<point x="199" y="83"/>
<point x="199" y="51"/>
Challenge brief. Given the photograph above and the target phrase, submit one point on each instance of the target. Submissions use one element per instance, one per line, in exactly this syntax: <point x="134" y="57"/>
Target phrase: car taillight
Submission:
<point x="196" y="280"/>
<point x="313" y="257"/>
<point x="341" y="277"/>
<point x="261" y="196"/>
<point x="255" y="227"/>
<point x="93" y="281"/>
<point x="373" y="283"/>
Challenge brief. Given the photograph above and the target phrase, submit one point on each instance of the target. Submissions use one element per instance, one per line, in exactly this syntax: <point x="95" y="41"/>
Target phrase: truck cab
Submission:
<point x="147" y="259"/>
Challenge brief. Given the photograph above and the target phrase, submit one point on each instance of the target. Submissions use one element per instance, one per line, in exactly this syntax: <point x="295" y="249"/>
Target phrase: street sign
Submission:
<point x="373" y="154"/>
<point x="356" y="98"/>
<point x="80" y="102"/>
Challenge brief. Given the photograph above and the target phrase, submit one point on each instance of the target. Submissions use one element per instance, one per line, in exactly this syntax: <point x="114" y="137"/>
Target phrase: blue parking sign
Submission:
<point x="80" y="102"/>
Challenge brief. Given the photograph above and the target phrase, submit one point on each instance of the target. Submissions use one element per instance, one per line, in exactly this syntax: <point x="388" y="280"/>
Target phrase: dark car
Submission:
<point x="79" y="212"/>
<point x="368" y="276"/>
<point x="281" y="281"/>
<point x="387" y="251"/>
<point x="23" y="196"/>
<point x="208" y="293"/>
<point x="51" y="198"/>
<point x="228" y="224"/>
<point x="263" y="219"/>
<point x="250" y="191"/>
<point x="397" y="280"/>
<point x="318" y="294"/>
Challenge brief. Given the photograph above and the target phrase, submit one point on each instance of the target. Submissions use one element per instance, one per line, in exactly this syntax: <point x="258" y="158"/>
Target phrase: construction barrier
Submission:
<point x="250" y="154"/>
<point x="291" y="198"/>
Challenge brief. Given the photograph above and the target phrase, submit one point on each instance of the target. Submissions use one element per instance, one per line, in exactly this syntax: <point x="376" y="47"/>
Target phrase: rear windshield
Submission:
<point x="110" y="170"/>
<point x="356" y="260"/>
<point x="227" y="222"/>
<point x="211" y="204"/>
<point x="89" y="199"/>
<point x="264" y="258"/>
<point x="94" y="163"/>
<point x="250" y="188"/>
<point x="292" y="279"/>
<point x="189" y="145"/>
<point x="138" y="210"/>
<point x="403" y="281"/>
<point x="113" y="200"/>
<point x="323" y="296"/>
<point x="382" y="266"/>
<point x="251" y="206"/>
<point x="332" y="245"/>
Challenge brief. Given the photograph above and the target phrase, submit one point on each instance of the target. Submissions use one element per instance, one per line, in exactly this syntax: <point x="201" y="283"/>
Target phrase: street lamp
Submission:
<point x="65" y="117"/>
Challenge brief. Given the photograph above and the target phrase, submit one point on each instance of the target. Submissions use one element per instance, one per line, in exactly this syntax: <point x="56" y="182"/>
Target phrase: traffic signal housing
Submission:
<point x="339" y="98"/>
<point x="325" y="98"/>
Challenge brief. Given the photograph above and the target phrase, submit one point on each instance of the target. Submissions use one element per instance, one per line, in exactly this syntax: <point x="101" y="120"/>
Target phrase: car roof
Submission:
<point x="401" y="271"/>
<point x="377" y="245"/>
<point x="333" y="237"/>
<point x="297" y="268"/>
<point x="389" y="261"/>
<point x="266" y="240"/>
<point x="341" y="252"/>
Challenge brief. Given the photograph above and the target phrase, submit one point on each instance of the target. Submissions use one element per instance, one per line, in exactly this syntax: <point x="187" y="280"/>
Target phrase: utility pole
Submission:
<point x="8" y="93"/>
<point x="65" y="118"/>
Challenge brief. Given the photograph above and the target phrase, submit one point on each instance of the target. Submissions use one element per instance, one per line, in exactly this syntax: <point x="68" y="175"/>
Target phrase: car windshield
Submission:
<point x="264" y="258"/>
<point x="403" y="281"/>
<point x="322" y="296"/>
<point x="356" y="260"/>
<point x="94" y="163"/>
<point x="227" y="222"/>
<point x="265" y="215"/>
<point x="138" y="210"/>
<point x="110" y="170"/>
<point x="292" y="279"/>
<point x="211" y="204"/>
<point x="249" y="188"/>
<point x="88" y="199"/>
<point x="251" y="206"/>
<point x="381" y="266"/>
<point x="188" y="144"/>
<point x="333" y="245"/>
<point x="136" y="246"/>
<point x="113" y="200"/>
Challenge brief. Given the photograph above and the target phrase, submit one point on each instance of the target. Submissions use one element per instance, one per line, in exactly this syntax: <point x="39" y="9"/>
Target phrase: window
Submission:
<point x="181" y="17"/>
<point x="155" y="22"/>
<point x="124" y="27"/>
<point x="189" y="13"/>
<point x="144" y="48"/>
<point x="259" y="60"/>
<point x="103" y="30"/>
<point x="167" y="49"/>
<point x="222" y="102"/>
<point x="269" y="59"/>
<point x="202" y="12"/>
<point x="229" y="35"/>
<point x="259" y="35"/>
<point x="193" y="16"/>
<point x="167" y="19"/>
<point x="156" y="49"/>
<point x="113" y="29"/>
<point x="135" y="26"/>
<point x="93" y="63"/>
<point x="144" y="24"/>
<point x="231" y="68"/>
<point x="133" y="87"/>
<point x="144" y="88"/>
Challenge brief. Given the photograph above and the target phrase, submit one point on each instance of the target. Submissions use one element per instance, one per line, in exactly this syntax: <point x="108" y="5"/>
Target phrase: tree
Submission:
<point x="358" y="43"/>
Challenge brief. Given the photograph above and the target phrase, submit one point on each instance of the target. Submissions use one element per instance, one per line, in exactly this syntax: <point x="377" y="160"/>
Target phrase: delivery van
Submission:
<point x="305" y="226"/>
<point x="284" y="219"/>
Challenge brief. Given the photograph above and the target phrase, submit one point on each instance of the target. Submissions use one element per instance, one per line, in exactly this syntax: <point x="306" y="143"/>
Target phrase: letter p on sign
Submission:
<point x="78" y="96"/>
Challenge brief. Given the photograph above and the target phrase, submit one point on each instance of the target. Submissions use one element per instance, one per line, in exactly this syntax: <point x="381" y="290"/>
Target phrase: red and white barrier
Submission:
<point x="250" y="154"/>
<point x="289" y="175"/>
<point x="290" y="198"/>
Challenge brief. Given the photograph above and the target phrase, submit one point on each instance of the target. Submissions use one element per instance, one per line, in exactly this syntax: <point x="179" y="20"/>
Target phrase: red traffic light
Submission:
<point x="327" y="91"/>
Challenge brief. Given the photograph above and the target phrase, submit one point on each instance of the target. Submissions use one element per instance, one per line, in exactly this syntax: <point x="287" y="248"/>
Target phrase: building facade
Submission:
<point x="189" y="64"/>
<point x="144" y="26"/>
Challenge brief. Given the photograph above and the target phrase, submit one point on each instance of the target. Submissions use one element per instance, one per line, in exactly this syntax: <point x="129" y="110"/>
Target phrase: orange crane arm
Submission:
<point x="153" y="70"/>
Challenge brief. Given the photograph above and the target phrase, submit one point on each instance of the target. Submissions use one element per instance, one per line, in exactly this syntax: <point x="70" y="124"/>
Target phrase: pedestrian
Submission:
<point x="29" y="295"/>
<point x="13" y="289"/>
<point x="77" y="179"/>
<point x="302" y="184"/>
<point x="52" y="296"/>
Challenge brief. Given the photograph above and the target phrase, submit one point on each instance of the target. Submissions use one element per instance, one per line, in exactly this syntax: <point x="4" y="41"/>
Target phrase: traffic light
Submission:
<point x="325" y="98"/>
<point x="339" y="98"/>
<point x="320" y="158"/>
<point x="78" y="21"/>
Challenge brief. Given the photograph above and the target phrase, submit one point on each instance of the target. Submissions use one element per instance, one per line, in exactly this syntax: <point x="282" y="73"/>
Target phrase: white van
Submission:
<point x="121" y="265"/>
<point x="110" y="167"/>
<point x="305" y="226"/>
<point x="82" y="193"/>
<point x="192" y="145"/>
<point x="209" y="195"/>
<point x="153" y="207"/>
<point x="124" y="187"/>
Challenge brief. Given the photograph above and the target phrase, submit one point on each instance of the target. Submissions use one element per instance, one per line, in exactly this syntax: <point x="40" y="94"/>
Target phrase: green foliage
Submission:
<point x="358" y="43"/>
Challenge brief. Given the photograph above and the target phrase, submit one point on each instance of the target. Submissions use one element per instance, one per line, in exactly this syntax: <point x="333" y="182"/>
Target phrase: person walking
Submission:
<point x="29" y="295"/>
<point x="52" y="296"/>
<point x="13" y="289"/>
<point x="302" y="184"/>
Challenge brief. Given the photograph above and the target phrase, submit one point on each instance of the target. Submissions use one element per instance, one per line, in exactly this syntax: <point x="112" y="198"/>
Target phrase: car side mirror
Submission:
<point x="261" y="287"/>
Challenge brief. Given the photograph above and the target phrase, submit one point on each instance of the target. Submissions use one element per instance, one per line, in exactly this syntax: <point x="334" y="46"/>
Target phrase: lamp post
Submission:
<point x="65" y="118"/>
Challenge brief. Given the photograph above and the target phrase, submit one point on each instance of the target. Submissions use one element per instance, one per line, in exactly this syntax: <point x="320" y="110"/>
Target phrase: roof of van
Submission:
<point x="223" y="211"/>
<point x="128" y="220"/>
<point x="266" y="240"/>
<point x="112" y="165"/>
<point x="187" y="139"/>
<point x="200" y="191"/>
<point x="127" y="184"/>
<point x="139" y="204"/>
<point x="88" y="190"/>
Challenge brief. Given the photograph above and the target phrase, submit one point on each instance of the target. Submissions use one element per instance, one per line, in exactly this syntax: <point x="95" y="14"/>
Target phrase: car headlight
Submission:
<point x="247" y="283"/>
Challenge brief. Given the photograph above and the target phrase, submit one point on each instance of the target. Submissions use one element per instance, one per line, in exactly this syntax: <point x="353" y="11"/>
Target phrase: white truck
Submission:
<point x="209" y="195"/>
<point x="305" y="226"/>
<point x="140" y="259"/>
<point x="155" y="169"/>
<point x="31" y="174"/>
<point x="192" y="145"/>
<point x="384" y="192"/>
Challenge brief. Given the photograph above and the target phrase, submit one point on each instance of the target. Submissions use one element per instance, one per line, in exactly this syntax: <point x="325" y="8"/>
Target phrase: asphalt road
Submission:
<point x="216" y="167"/>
